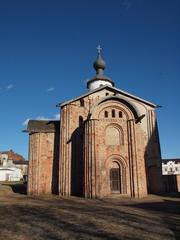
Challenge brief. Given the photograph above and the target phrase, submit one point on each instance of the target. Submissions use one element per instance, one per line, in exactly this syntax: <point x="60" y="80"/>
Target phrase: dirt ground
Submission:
<point x="53" y="217"/>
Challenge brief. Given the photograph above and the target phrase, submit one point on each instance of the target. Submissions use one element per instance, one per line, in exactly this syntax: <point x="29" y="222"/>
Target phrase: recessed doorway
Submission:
<point x="115" y="180"/>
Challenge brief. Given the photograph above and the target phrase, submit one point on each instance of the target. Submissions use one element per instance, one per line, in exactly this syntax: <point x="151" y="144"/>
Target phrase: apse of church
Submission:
<point x="108" y="144"/>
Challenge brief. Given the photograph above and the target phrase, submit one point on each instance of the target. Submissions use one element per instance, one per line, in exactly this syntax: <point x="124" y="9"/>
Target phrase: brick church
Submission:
<point x="105" y="143"/>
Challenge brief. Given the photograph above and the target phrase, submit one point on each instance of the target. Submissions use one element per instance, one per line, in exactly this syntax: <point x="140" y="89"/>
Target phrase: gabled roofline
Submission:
<point x="111" y="88"/>
<point x="36" y="126"/>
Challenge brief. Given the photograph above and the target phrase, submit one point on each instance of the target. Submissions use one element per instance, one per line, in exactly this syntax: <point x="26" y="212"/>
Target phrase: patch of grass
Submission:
<point x="5" y="190"/>
<point x="11" y="183"/>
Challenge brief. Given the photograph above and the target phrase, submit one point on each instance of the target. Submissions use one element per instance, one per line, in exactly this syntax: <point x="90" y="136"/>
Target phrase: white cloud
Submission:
<point x="9" y="87"/>
<point x="50" y="89"/>
<point x="42" y="118"/>
<point x="57" y="116"/>
<point x="26" y="122"/>
<point x="38" y="118"/>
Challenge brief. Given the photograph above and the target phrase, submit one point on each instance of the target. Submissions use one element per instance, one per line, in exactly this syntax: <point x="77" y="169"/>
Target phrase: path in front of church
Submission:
<point x="53" y="217"/>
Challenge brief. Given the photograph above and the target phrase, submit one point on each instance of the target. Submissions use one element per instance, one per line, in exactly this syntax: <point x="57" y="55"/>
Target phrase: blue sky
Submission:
<point x="47" y="49"/>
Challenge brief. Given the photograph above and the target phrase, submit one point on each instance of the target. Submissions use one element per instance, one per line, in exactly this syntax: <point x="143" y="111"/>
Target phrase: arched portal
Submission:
<point x="117" y="170"/>
<point x="115" y="178"/>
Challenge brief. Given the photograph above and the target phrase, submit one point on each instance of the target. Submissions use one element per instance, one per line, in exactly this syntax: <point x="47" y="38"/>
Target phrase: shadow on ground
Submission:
<point x="20" y="188"/>
<point x="52" y="217"/>
<point x="169" y="210"/>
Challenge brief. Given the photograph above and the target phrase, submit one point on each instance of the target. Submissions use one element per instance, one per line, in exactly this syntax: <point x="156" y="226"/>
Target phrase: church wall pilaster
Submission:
<point x="65" y="153"/>
<point x="93" y="159"/>
<point x="90" y="160"/>
<point x="136" y="147"/>
<point x="141" y="168"/>
<point x="132" y="164"/>
<point x="62" y="154"/>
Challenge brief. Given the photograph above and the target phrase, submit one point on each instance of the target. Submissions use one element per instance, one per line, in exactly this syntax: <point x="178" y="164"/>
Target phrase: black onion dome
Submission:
<point x="99" y="63"/>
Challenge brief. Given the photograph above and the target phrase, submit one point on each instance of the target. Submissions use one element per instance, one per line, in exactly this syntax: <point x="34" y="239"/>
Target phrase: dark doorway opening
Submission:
<point x="115" y="181"/>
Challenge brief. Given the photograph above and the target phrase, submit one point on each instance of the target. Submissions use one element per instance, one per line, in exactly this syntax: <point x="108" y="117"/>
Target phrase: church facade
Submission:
<point x="106" y="143"/>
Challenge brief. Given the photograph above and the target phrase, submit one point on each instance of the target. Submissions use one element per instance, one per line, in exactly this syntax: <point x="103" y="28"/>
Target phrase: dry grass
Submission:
<point x="52" y="217"/>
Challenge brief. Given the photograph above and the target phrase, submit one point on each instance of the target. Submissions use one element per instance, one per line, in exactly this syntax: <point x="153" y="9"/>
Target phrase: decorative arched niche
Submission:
<point x="114" y="135"/>
<point x="130" y="109"/>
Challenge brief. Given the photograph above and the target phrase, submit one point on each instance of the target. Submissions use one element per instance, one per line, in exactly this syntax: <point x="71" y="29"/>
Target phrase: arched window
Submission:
<point x="115" y="178"/>
<point x="120" y="114"/>
<point x="107" y="94"/>
<point x="82" y="102"/>
<point x="80" y="121"/>
<point x="113" y="113"/>
<point x="106" y="114"/>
